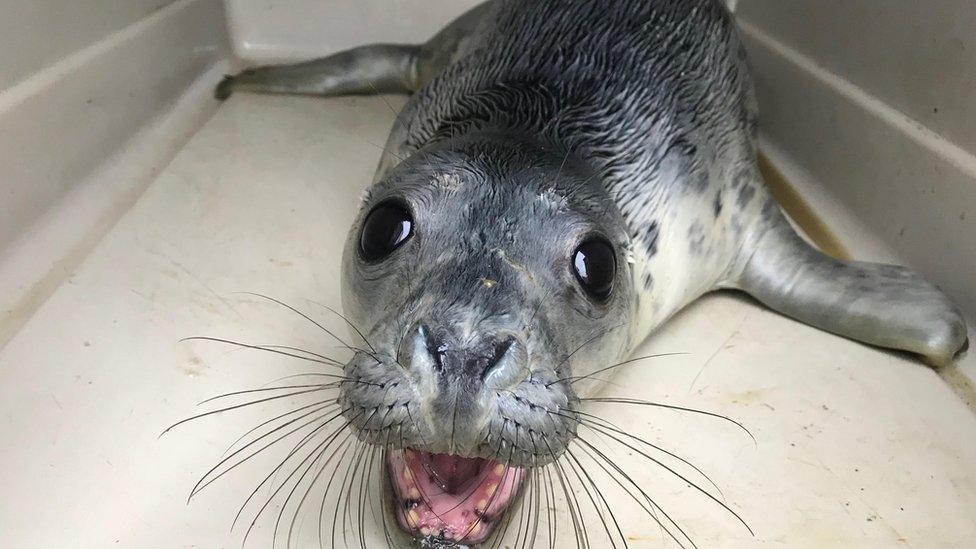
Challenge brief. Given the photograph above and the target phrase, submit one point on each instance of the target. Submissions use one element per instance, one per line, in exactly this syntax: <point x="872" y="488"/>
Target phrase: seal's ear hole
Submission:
<point x="386" y="228"/>
<point x="595" y="267"/>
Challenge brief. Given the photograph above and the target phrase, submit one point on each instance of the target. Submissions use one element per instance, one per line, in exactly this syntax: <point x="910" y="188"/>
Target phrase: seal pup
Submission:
<point x="566" y="176"/>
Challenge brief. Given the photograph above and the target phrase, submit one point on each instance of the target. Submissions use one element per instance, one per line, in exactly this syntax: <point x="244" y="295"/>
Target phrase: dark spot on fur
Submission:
<point x="696" y="238"/>
<point x="648" y="281"/>
<point x="746" y="194"/>
<point x="770" y="209"/>
<point x="717" y="205"/>
<point x="650" y="238"/>
<point x="736" y="227"/>
<point x="683" y="147"/>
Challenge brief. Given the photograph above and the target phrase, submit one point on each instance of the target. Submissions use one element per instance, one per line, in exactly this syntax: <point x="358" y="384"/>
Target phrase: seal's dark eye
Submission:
<point x="595" y="267"/>
<point x="386" y="228"/>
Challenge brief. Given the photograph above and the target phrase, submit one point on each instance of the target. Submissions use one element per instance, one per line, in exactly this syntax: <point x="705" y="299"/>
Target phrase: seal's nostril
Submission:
<point x="508" y="368"/>
<point x="435" y="351"/>
<point x="436" y="347"/>
<point x="501" y="349"/>
<point x="415" y="353"/>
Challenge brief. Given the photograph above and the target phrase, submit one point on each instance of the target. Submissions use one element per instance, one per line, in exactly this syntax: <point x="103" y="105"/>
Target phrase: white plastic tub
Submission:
<point x="133" y="207"/>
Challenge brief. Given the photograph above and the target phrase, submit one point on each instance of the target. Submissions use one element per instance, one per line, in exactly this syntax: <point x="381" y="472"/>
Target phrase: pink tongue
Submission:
<point x="452" y="473"/>
<point x="449" y="497"/>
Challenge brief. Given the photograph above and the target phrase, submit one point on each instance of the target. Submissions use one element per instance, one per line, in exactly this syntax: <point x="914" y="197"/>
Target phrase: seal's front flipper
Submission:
<point x="883" y="305"/>
<point x="377" y="68"/>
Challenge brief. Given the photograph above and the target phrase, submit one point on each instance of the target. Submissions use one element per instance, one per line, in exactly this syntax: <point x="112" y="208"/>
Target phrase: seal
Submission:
<point x="565" y="177"/>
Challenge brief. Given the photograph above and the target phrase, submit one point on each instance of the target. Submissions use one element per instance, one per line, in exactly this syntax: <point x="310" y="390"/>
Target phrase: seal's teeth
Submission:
<point x="481" y="489"/>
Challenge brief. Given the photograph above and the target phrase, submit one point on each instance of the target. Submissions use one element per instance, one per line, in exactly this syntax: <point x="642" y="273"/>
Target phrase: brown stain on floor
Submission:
<point x="800" y="211"/>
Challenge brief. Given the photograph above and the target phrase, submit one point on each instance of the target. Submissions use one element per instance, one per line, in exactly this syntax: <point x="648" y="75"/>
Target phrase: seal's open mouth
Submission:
<point x="456" y="499"/>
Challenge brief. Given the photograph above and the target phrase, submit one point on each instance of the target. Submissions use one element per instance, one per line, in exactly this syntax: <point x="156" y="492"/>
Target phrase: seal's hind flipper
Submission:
<point x="366" y="70"/>
<point x="884" y="305"/>
<point x="377" y="68"/>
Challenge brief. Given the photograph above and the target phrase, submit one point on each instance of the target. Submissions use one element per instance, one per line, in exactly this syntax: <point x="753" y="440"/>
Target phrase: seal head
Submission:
<point x="489" y="274"/>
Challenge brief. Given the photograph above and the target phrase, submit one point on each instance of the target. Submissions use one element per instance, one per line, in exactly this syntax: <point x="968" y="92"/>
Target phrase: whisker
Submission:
<point x="330" y="362"/>
<point x="582" y="539"/>
<point x="343" y="446"/>
<point x="522" y="508"/>
<point x="494" y="494"/>
<point x="597" y="422"/>
<point x="596" y="489"/>
<point x="342" y="487"/>
<point x="310" y="374"/>
<point x="357" y="472"/>
<point x="566" y="493"/>
<point x="365" y="499"/>
<point x="328" y="489"/>
<point x="237" y="407"/>
<point x="575" y="379"/>
<point x="296" y="311"/>
<point x="318" y="386"/>
<point x="386" y="528"/>
<point x="551" y="516"/>
<point x="204" y="482"/>
<point x="593" y="339"/>
<point x="318" y="452"/>
<point x="328" y="442"/>
<point x="361" y="350"/>
<point x="582" y="185"/>
<point x="386" y="150"/>
<point x="347" y="321"/>
<point x="306" y="351"/>
<point x="596" y="507"/>
<point x="637" y="402"/>
<point x="587" y="447"/>
<point x="537" y="496"/>
<point x="590" y="424"/>
<point x="385" y="102"/>
<point x="676" y="473"/>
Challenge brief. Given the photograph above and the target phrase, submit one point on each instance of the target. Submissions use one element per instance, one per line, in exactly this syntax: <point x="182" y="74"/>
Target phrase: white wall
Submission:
<point x="64" y="110"/>
<point x="88" y="90"/>
<point x="268" y="30"/>
<point x="870" y="108"/>
<point x="917" y="57"/>
<point x="37" y="33"/>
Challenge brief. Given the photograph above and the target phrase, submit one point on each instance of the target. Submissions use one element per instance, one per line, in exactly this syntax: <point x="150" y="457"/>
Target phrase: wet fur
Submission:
<point x="531" y="124"/>
<point x="654" y="96"/>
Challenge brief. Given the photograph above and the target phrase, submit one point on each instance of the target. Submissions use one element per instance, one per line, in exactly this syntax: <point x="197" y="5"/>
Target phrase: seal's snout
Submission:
<point x="493" y="361"/>
<point x="457" y="378"/>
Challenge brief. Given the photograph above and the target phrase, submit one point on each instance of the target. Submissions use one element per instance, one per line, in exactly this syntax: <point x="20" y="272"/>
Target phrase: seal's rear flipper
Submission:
<point x="884" y="305"/>
<point x="366" y="70"/>
<point x="377" y="68"/>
